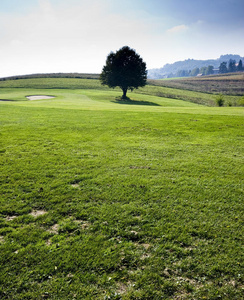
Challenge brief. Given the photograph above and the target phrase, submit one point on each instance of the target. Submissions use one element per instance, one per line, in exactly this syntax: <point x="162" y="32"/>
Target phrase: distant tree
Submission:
<point x="240" y="67"/>
<point x="223" y="67"/>
<point x="209" y="70"/>
<point x="124" y="69"/>
<point x="195" y="72"/>
<point x="182" y="73"/>
<point x="171" y="75"/>
<point x="203" y="70"/>
<point x="232" y="66"/>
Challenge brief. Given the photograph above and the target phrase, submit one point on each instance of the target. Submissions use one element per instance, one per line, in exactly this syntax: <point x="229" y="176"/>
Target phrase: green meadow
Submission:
<point x="109" y="199"/>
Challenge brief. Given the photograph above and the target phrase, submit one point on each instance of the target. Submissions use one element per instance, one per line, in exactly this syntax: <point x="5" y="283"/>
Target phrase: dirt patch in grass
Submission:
<point x="182" y="296"/>
<point x="10" y="218"/>
<point x="188" y="280"/>
<point x="122" y="288"/>
<point x="54" y="229"/>
<point x="145" y="256"/>
<point x="146" y="246"/>
<point x="83" y="224"/>
<point x="48" y="242"/>
<point x="37" y="213"/>
<point x="75" y="186"/>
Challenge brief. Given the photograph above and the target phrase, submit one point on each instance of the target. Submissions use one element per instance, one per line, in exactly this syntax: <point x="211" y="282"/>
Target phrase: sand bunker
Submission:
<point x="39" y="97"/>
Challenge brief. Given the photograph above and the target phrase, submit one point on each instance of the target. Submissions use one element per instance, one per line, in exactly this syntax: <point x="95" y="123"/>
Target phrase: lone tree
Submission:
<point x="124" y="69"/>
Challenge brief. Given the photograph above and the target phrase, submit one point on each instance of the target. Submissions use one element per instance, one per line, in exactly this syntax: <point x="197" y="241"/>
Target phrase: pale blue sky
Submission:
<point x="39" y="36"/>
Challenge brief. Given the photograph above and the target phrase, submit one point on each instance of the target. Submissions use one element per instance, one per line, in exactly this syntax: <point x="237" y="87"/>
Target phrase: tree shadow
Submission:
<point x="129" y="101"/>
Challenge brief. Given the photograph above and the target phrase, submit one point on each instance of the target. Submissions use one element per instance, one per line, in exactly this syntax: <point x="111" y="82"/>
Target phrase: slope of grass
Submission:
<point x="102" y="199"/>
<point x="187" y="95"/>
<point x="228" y="84"/>
<point x="92" y="99"/>
<point x="53" y="83"/>
<point x="153" y="88"/>
<point x="53" y="75"/>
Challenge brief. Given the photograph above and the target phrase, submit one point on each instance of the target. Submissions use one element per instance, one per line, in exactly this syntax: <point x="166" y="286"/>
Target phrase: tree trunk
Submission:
<point x="124" y="93"/>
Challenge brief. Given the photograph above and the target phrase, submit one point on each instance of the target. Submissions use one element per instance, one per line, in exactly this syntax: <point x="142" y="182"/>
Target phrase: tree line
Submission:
<point x="232" y="67"/>
<point x="224" y="67"/>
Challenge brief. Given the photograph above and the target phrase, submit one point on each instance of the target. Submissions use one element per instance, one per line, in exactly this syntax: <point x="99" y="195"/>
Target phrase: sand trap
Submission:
<point x="39" y="97"/>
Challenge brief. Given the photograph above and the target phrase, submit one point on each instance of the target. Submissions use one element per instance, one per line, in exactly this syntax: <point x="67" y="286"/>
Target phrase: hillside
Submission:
<point x="228" y="84"/>
<point x="186" y="90"/>
<point x="190" y="64"/>
<point x="53" y="75"/>
<point x="197" y="90"/>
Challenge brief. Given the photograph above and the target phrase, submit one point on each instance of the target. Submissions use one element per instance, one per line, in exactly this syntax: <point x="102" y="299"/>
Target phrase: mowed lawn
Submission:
<point x="103" y="199"/>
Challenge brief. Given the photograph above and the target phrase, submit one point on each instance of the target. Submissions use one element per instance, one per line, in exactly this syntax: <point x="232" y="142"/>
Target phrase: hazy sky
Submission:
<point x="43" y="36"/>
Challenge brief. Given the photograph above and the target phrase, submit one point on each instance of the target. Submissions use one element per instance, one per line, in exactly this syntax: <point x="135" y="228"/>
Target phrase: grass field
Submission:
<point x="104" y="199"/>
<point x="159" y="88"/>
<point x="227" y="84"/>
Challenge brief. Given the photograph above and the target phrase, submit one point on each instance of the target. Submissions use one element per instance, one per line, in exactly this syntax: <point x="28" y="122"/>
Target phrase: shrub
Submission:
<point x="220" y="100"/>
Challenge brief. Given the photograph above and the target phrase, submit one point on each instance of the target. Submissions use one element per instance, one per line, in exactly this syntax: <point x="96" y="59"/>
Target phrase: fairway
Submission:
<point x="109" y="199"/>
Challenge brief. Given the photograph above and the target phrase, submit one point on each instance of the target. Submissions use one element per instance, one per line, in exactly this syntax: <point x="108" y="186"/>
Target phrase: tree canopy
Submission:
<point x="232" y="65"/>
<point x="240" y="67"/>
<point x="223" y="68"/>
<point x="195" y="72"/>
<point x="124" y="69"/>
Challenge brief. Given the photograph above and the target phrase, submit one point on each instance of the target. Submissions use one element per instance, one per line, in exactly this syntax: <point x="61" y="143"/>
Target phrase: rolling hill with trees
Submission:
<point x="192" y="67"/>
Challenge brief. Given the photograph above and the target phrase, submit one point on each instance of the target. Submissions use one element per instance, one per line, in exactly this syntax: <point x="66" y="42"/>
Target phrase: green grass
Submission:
<point x="153" y="88"/>
<point x="53" y="83"/>
<point x="141" y="199"/>
<point x="53" y="75"/>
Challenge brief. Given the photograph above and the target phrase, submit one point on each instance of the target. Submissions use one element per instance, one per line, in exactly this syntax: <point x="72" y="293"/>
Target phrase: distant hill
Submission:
<point x="190" y="64"/>
<point x="53" y="75"/>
